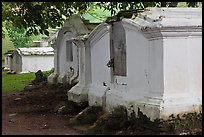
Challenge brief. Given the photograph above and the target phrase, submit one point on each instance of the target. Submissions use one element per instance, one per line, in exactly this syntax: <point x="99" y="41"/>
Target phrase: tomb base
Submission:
<point x="52" y="79"/>
<point x="153" y="107"/>
<point x="96" y="95"/>
<point x="78" y="93"/>
<point x="62" y="79"/>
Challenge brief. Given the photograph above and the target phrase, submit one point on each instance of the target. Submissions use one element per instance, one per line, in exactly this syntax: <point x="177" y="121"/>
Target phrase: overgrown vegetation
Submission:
<point x="118" y="122"/>
<point x="182" y="122"/>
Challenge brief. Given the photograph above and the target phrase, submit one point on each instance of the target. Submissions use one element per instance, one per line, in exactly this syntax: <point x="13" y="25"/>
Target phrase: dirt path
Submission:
<point x="35" y="112"/>
<point x="46" y="124"/>
<point x="30" y="112"/>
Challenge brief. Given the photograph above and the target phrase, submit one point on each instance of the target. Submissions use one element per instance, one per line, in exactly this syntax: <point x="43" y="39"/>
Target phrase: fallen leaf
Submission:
<point x="17" y="99"/>
<point x="13" y="114"/>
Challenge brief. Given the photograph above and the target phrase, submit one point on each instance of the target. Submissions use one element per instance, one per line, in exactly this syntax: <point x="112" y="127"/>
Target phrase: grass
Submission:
<point x="3" y="63"/>
<point x="15" y="82"/>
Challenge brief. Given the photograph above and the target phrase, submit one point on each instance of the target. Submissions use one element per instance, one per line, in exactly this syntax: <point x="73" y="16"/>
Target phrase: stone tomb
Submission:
<point x="8" y="60"/>
<point x="93" y="69"/>
<point x="68" y="49"/>
<point x="25" y="60"/>
<point x="153" y="62"/>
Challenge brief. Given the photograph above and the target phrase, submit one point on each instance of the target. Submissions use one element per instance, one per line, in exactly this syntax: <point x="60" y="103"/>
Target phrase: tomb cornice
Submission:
<point x="159" y="31"/>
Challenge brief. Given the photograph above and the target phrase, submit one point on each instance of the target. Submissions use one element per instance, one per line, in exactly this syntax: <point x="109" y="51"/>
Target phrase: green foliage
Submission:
<point x="115" y="6"/>
<point x="6" y="46"/>
<point x="47" y="73"/>
<point x="182" y="4"/>
<point x="192" y="4"/>
<point x="18" y="36"/>
<point x="96" y="14"/>
<point x="15" y="82"/>
<point x="37" y="17"/>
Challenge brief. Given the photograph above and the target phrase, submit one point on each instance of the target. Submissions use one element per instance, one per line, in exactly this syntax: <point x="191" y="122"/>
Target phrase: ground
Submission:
<point x="35" y="111"/>
<point x="32" y="112"/>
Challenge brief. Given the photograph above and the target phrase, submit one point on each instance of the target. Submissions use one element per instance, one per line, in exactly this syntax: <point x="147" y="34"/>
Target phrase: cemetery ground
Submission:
<point x="43" y="109"/>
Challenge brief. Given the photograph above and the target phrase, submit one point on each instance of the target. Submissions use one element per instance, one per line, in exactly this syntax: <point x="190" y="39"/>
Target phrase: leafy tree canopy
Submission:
<point x="18" y="36"/>
<point x="37" y="17"/>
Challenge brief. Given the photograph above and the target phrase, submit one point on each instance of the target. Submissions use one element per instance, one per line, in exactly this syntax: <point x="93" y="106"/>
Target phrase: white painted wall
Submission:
<point x="182" y="74"/>
<point x="195" y="67"/>
<point x="62" y="64"/>
<point x="100" y="71"/>
<point x="35" y="63"/>
<point x="155" y="65"/>
<point x="137" y="62"/>
<point x="176" y="65"/>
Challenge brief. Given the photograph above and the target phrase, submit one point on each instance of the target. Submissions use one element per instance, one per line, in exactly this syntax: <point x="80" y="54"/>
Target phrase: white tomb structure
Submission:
<point x="26" y="60"/>
<point x="8" y="60"/>
<point x="68" y="49"/>
<point x="93" y="69"/>
<point x="152" y="62"/>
